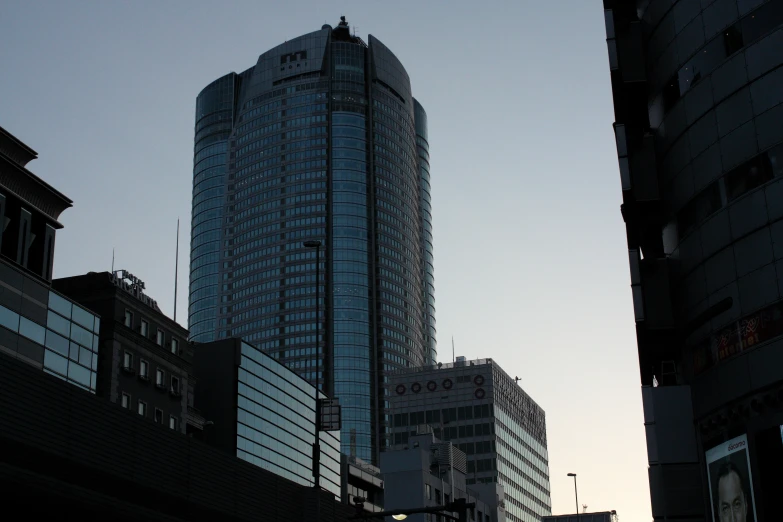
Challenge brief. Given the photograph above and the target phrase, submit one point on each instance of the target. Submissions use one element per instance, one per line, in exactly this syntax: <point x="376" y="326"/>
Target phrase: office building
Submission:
<point x="263" y="412"/>
<point x="361" y="480"/>
<point x="698" y="100"/>
<point x="428" y="473"/>
<point x="145" y="362"/>
<point x="37" y="324"/>
<point x="320" y="140"/>
<point x="481" y="410"/>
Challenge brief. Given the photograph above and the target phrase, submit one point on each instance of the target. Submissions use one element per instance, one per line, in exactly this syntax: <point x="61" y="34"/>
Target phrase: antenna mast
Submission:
<point x="453" y="357"/>
<point x="176" y="266"/>
<point x="112" y="260"/>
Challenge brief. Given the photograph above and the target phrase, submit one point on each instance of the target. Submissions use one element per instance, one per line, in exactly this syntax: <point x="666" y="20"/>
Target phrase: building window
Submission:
<point x="174" y="385"/>
<point x="144" y="369"/>
<point x="128" y="318"/>
<point x="160" y="378"/>
<point x="158" y="416"/>
<point x="173" y="422"/>
<point x="437" y="496"/>
<point x="427" y="491"/>
<point x="126" y="401"/>
<point x="145" y="328"/>
<point x="174" y="346"/>
<point x="160" y="337"/>
<point x="127" y="360"/>
<point x="142" y="408"/>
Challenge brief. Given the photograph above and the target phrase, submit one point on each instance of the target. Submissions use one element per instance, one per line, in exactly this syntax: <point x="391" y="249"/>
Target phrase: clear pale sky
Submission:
<point x="531" y="265"/>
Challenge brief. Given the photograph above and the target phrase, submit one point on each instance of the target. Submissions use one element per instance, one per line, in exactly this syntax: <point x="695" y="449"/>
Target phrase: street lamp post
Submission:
<point x="314" y="243"/>
<point x="576" y="496"/>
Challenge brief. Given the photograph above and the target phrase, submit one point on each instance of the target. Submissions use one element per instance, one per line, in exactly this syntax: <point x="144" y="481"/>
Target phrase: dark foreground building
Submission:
<point x="80" y="457"/>
<point x="38" y="325"/>
<point x="264" y="413"/>
<point x="145" y="363"/>
<point x="698" y="93"/>
<point x="320" y="140"/>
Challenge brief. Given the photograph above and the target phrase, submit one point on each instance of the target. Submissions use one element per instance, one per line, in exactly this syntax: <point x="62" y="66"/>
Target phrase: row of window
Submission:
<point x="160" y="335"/>
<point x="709" y="57"/>
<point x="142" y="410"/>
<point x="741" y="180"/>
<point x="144" y="368"/>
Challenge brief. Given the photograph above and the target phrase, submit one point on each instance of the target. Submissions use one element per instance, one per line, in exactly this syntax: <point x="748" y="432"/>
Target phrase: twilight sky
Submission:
<point x="531" y="265"/>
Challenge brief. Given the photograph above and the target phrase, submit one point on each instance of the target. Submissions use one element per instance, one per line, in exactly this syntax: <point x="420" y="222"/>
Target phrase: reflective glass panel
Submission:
<point x="9" y="319"/>
<point x="32" y="330"/>
<point x="60" y="305"/>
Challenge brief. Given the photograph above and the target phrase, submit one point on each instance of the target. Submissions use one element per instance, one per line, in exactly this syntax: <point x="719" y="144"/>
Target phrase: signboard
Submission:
<point x="134" y="286"/>
<point x="330" y="415"/>
<point x="730" y="482"/>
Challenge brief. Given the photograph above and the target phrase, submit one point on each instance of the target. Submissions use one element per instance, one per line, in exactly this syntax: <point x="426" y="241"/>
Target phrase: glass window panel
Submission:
<point x="94" y="364"/>
<point x="74" y="356"/>
<point x="58" y="343"/>
<point x="83" y="317"/>
<point x="97" y="325"/>
<point x="79" y="374"/>
<point x="92" y="380"/>
<point x="32" y="330"/>
<point x="9" y="319"/>
<point x="85" y="357"/>
<point x="55" y="363"/>
<point x="95" y="343"/>
<point x="60" y="305"/>
<point x="81" y="336"/>
<point x="58" y="323"/>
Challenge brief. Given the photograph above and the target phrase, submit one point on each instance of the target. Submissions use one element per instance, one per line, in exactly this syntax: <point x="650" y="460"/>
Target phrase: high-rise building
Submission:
<point x="37" y="324"/>
<point x="477" y="407"/>
<point x="320" y="140"/>
<point x="698" y="99"/>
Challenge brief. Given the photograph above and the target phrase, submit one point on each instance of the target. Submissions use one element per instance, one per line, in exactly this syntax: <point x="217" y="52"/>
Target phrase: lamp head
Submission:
<point x="311" y="243"/>
<point x="572" y="474"/>
<point x="399" y="517"/>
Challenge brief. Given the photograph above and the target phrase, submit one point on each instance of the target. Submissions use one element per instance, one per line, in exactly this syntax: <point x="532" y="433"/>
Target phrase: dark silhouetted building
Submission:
<point x="698" y="101"/>
<point x="477" y="407"/>
<point x="145" y="362"/>
<point x="262" y="412"/>
<point x="38" y="325"/>
<point x="320" y="140"/>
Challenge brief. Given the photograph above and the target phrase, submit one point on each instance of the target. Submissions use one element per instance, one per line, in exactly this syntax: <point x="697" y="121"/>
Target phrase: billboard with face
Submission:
<point x="730" y="482"/>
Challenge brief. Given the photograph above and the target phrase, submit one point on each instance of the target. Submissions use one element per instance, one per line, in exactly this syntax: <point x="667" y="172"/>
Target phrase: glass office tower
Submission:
<point x="320" y="140"/>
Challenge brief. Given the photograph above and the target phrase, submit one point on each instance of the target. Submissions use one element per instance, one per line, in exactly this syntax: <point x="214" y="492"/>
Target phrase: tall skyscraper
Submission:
<point x="698" y="98"/>
<point x="320" y="140"/>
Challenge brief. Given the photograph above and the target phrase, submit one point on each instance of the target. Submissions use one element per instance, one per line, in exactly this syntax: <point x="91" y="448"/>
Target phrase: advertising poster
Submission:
<point x="730" y="480"/>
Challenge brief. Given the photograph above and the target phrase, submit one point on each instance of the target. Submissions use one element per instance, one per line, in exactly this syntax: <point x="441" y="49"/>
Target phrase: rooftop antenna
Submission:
<point x="516" y="380"/>
<point x="112" y="260"/>
<point x="176" y="266"/>
<point x="453" y="357"/>
<point x="584" y="508"/>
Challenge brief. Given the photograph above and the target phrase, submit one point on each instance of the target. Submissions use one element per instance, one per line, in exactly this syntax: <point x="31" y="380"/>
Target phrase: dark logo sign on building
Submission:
<point x="134" y="286"/>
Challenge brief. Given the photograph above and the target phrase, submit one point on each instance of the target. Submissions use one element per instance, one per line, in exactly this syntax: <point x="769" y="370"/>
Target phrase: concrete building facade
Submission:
<point x="481" y="410"/>
<point x="427" y="472"/>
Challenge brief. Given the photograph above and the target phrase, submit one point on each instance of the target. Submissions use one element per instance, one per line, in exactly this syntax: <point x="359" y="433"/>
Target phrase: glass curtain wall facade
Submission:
<point x="317" y="141"/>
<point x="214" y="121"/>
<point x="276" y="423"/>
